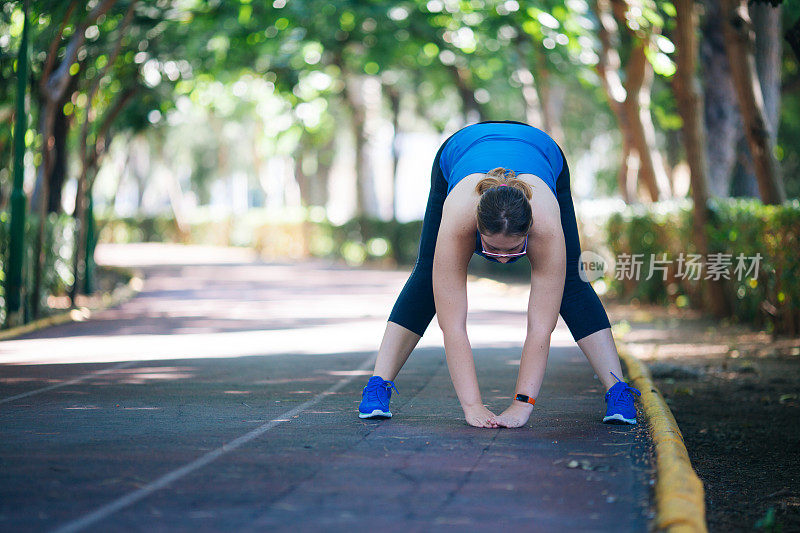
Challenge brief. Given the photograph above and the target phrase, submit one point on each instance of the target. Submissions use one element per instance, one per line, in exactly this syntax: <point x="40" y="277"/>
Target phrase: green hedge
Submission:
<point x="736" y="226"/>
<point x="138" y="229"/>
<point x="363" y="239"/>
<point x="57" y="274"/>
<point x="358" y="241"/>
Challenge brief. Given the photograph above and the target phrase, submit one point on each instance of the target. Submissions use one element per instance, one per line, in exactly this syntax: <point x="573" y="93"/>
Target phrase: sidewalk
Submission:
<point x="224" y="397"/>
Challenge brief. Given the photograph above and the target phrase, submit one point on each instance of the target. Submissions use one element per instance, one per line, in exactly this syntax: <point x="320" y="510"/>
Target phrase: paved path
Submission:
<point x="224" y="397"/>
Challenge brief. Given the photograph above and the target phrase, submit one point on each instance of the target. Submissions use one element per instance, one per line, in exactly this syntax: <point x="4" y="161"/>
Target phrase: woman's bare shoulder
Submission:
<point x="460" y="207"/>
<point x="546" y="215"/>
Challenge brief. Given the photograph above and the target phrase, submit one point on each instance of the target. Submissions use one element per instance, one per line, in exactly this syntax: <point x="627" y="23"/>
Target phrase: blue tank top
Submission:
<point x="518" y="147"/>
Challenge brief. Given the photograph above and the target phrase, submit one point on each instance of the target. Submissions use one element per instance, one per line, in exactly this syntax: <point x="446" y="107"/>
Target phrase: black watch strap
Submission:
<point x="525" y="399"/>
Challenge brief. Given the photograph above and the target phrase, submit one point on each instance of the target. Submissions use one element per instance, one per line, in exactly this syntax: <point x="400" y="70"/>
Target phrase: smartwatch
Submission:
<point x="525" y="399"/>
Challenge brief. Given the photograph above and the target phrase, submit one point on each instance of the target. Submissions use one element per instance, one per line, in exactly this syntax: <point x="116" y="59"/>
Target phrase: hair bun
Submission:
<point x="500" y="172"/>
<point x="498" y="177"/>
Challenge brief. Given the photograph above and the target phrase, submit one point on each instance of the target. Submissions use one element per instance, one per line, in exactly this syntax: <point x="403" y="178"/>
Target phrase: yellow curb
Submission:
<point x="680" y="498"/>
<point x="109" y="299"/>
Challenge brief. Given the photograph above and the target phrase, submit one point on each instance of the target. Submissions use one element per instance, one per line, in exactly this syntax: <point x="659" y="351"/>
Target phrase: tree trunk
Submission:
<point x="673" y="155"/>
<point x="90" y="161"/>
<point x="325" y="156"/>
<point x="54" y="84"/>
<point x="638" y="83"/>
<point x="527" y="80"/>
<point x="722" y="119"/>
<point x="473" y="111"/>
<point x="630" y="104"/>
<point x="768" y="66"/>
<point x="628" y="170"/>
<point x="743" y="182"/>
<point x="14" y="255"/>
<point x="363" y="95"/>
<point x="739" y="42"/>
<point x="690" y="105"/>
<point x="552" y="102"/>
<point x="357" y="116"/>
<point x="394" y="101"/>
<point x="301" y="177"/>
<point x="60" y="160"/>
<point x="768" y="55"/>
<point x="140" y="169"/>
<point x="258" y="162"/>
<point x="43" y="175"/>
<point x="91" y="244"/>
<point x="608" y="71"/>
<point x="175" y="194"/>
<point x="533" y="105"/>
<point x="61" y="152"/>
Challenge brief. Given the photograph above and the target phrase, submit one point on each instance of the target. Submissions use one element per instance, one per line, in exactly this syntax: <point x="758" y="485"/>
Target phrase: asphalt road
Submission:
<point x="224" y="397"/>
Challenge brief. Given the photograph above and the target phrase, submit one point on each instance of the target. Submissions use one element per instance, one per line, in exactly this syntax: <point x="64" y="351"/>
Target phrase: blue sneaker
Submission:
<point x="375" y="398"/>
<point x="619" y="400"/>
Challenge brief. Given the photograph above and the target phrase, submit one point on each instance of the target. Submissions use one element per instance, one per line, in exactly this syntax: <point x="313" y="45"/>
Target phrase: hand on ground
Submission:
<point x="480" y="417"/>
<point x="515" y="416"/>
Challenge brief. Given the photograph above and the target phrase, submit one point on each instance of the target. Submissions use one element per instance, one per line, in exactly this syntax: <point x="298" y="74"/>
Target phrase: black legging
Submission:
<point x="581" y="309"/>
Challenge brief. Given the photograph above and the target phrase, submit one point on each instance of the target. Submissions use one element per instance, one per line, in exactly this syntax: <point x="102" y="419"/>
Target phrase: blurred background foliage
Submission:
<point x="308" y="128"/>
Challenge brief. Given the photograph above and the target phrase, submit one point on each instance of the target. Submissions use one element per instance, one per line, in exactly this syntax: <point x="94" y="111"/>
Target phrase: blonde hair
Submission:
<point x="498" y="177"/>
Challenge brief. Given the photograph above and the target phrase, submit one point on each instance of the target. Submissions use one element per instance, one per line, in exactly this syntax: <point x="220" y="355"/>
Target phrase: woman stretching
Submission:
<point x="501" y="190"/>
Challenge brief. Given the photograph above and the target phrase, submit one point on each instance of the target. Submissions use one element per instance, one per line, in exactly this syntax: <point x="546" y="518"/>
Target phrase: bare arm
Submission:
<point x="454" y="246"/>
<point x="548" y="265"/>
<point x="547" y="287"/>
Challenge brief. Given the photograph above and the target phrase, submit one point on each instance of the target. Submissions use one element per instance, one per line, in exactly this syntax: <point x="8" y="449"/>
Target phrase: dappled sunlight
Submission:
<point x="648" y="351"/>
<point x="690" y="350"/>
<point x="641" y="335"/>
<point x="261" y="310"/>
<point x="349" y="372"/>
<point x="354" y="336"/>
<point x="83" y="383"/>
<point x="654" y="333"/>
<point x="358" y="336"/>
<point x="138" y="376"/>
<point x="18" y="380"/>
<point x="283" y="381"/>
<point x="149" y="254"/>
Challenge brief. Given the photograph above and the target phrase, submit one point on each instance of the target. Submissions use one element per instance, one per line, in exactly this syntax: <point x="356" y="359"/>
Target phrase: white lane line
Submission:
<point x="70" y="382"/>
<point x="133" y="497"/>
